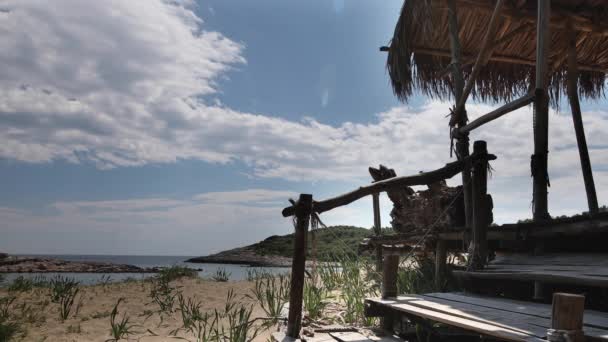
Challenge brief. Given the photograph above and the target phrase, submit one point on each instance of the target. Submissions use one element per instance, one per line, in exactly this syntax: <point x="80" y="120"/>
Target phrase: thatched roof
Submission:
<point x="419" y="53"/>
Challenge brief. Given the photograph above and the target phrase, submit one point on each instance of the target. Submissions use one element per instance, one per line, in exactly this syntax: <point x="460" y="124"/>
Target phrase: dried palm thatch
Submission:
<point x="419" y="53"/>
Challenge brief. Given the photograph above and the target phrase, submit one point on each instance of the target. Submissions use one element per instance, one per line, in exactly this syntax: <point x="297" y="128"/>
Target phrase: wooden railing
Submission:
<point x="305" y="206"/>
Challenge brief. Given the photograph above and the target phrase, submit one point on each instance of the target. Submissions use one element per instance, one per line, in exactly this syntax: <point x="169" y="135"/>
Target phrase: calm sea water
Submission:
<point x="237" y="272"/>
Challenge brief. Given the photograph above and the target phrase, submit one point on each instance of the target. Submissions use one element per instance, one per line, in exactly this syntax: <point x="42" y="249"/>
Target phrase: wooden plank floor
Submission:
<point x="576" y="269"/>
<point x="501" y="318"/>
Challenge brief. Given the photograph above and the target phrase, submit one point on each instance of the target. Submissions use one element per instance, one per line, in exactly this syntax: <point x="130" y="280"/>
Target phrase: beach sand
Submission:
<point x="93" y="318"/>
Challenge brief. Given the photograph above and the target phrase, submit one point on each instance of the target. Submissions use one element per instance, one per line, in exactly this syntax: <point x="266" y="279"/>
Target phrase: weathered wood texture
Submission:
<point x="541" y="114"/>
<point x="495" y="114"/>
<point x="389" y="273"/>
<point x="578" y="125"/>
<point x="462" y="143"/>
<point x="568" y="227"/>
<point x="501" y="318"/>
<point x="377" y="229"/>
<point x="441" y="258"/>
<point x="575" y="269"/>
<point x="479" y="251"/>
<point x="424" y="178"/>
<point x="303" y="209"/>
<point x="567" y="314"/>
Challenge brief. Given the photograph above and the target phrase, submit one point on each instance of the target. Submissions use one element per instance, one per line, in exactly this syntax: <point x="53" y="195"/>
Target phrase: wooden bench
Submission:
<point x="574" y="269"/>
<point x="500" y="318"/>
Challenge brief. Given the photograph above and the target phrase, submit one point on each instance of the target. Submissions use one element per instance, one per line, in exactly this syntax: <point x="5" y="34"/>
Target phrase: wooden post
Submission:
<point x="377" y="229"/>
<point x="541" y="113"/>
<point x="462" y="143"/>
<point x="389" y="272"/>
<point x="581" y="141"/>
<point x="303" y="209"/>
<point x="440" y="264"/>
<point x="480" y="206"/>
<point x="567" y="318"/>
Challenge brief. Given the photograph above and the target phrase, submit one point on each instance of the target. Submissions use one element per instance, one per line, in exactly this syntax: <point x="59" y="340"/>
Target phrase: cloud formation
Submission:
<point x="127" y="83"/>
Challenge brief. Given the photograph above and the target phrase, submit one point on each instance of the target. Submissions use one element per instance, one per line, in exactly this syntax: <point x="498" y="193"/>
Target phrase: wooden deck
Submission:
<point x="574" y="269"/>
<point x="500" y="318"/>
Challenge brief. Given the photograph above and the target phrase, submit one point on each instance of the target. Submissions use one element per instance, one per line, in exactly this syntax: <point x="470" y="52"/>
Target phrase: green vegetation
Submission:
<point x="176" y="272"/>
<point x="272" y="293"/>
<point x="23" y="284"/>
<point x="163" y="293"/>
<point x="120" y="329"/>
<point x="314" y="298"/>
<point x="325" y="239"/>
<point x="207" y="326"/>
<point x="221" y="275"/>
<point x="63" y="292"/>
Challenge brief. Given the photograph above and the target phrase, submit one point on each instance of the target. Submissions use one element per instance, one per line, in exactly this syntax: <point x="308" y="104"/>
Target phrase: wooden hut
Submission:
<point x="541" y="280"/>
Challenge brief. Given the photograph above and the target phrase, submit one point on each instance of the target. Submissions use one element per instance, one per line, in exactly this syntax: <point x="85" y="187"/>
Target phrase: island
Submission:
<point x="326" y="244"/>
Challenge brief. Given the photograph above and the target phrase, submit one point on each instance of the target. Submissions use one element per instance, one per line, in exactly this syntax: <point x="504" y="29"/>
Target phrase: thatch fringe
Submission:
<point x="418" y="56"/>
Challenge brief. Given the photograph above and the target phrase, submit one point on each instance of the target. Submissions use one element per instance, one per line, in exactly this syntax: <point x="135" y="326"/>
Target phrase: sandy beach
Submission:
<point x="92" y="321"/>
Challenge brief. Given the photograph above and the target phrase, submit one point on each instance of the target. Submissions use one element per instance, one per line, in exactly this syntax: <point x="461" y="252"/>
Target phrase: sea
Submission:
<point x="207" y="270"/>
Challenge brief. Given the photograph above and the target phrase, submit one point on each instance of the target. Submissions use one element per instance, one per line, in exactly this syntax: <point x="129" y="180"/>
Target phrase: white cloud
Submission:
<point x="201" y="224"/>
<point x="126" y="83"/>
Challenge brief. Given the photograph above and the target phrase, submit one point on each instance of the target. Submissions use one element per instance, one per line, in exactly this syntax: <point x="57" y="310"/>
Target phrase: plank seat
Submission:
<point x="574" y="269"/>
<point x="504" y="319"/>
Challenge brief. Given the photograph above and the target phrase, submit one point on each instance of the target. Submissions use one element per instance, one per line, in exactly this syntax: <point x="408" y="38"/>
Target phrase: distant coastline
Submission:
<point x="276" y="251"/>
<point x="243" y="256"/>
<point x="19" y="264"/>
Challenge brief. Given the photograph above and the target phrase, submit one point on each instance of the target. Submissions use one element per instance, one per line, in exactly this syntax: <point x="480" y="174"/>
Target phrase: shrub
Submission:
<point x="314" y="299"/>
<point x="163" y="294"/>
<point x="272" y="293"/>
<point x="176" y="272"/>
<point x="120" y="329"/>
<point x="63" y="292"/>
<point x="221" y="275"/>
<point x="194" y="320"/>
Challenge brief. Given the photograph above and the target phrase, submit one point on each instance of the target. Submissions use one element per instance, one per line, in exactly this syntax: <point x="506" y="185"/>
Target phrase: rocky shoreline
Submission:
<point x="243" y="256"/>
<point x="49" y="265"/>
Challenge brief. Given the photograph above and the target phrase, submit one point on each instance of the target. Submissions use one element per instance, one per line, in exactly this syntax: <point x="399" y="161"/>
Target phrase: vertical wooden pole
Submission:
<point x="377" y="230"/>
<point x="567" y="317"/>
<point x="541" y="113"/>
<point x="462" y="142"/>
<point x="441" y="257"/>
<point x="480" y="205"/>
<point x="578" y="124"/>
<point x="389" y="272"/>
<point x="298" y="265"/>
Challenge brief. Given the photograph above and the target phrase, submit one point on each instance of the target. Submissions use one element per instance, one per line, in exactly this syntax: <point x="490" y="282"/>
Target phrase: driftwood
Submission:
<point x="448" y="171"/>
<point x="417" y="211"/>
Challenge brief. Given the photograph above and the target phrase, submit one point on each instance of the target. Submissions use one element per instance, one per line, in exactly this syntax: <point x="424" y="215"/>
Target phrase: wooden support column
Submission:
<point x="578" y="124"/>
<point x="541" y="113"/>
<point x="480" y="207"/>
<point x="389" y="271"/>
<point x="567" y="318"/>
<point x="303" y="209"/>
<point x="377" y="229"/>
<point x="462" y="140"/>
<point x="441" y="257"/>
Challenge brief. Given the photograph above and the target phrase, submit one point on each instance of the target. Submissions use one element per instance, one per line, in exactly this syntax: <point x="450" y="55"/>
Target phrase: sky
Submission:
<point x="182" y="127"/>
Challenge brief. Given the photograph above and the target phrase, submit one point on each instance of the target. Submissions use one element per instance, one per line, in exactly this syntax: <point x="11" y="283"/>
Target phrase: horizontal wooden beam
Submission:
<point x="498" y="58"/>
<point x="495" y="114"/>
<point x="423" y="178"/>
<point x="581" y="20"/>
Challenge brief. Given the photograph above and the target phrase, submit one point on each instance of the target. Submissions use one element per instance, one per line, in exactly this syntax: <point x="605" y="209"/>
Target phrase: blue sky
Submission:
<point x="182" y="127"/>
